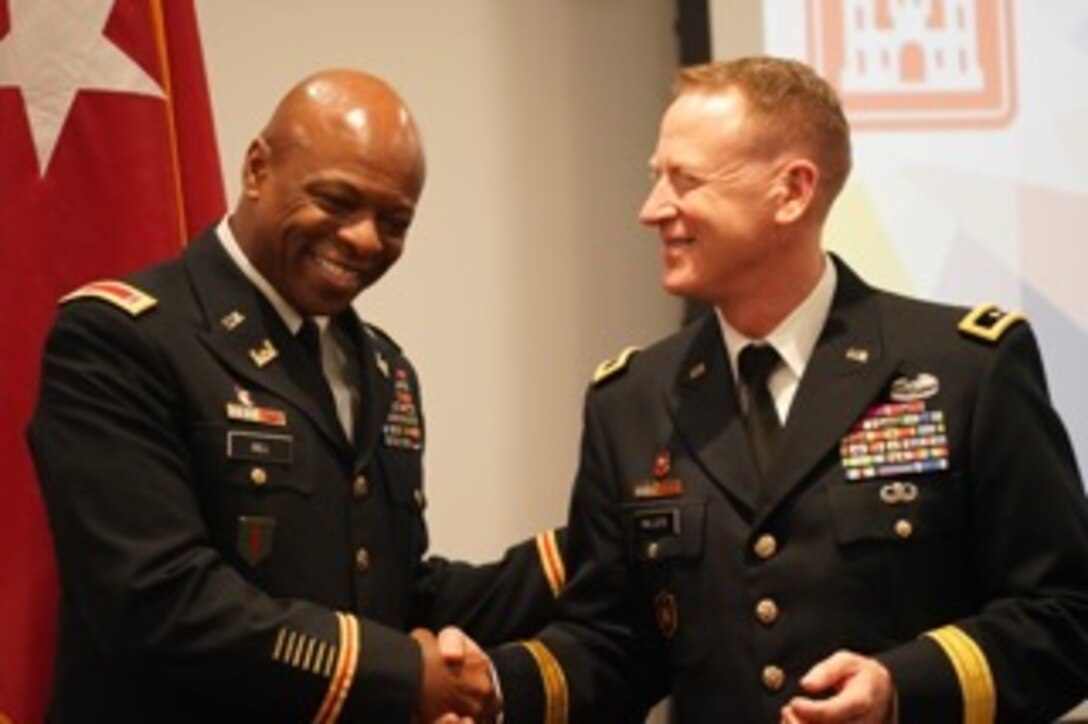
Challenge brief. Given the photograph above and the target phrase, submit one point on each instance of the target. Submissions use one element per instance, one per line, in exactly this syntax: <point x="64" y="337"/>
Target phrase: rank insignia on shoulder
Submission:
<point x="989" y="322"/>
<point x="121" y="295"/>
<point x="610" y="368"/>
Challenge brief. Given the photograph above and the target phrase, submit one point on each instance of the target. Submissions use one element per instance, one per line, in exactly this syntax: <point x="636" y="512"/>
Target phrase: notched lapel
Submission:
<point x="375" y="386"/>
<point x="239" y="321"/>
<point x="703" y="405"/>
<point x="847" y="371"/>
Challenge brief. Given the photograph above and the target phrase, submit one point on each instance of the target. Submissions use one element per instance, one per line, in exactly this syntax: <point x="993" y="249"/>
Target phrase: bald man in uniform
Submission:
<point x="231" y="460"/>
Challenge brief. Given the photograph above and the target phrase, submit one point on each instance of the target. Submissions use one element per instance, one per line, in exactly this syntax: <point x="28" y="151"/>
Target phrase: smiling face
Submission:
<point x="715" y="196"/>
<point x="330" y="189"/>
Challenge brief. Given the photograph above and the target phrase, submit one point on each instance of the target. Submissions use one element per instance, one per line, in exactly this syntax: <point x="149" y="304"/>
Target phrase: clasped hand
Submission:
<point x="457" y="679"/>
<point x="845" y="687"/>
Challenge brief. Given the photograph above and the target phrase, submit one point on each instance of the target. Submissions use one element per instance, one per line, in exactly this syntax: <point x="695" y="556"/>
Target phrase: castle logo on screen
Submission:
<point x="917" y="64"/>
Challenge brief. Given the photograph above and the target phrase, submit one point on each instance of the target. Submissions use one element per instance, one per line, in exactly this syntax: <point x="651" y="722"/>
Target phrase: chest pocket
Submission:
<point x="261" y="461"/>
<point x="664" y="531"/>
<point x="918" y="508"/>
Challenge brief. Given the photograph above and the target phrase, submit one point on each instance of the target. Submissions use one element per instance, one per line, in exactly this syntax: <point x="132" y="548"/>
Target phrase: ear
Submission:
<point x="795" y="189"/>
<point x="255" y="167"/>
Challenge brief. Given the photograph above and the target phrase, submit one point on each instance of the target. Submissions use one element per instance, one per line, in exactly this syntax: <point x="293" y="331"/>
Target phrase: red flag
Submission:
<point x="107" y="162"/>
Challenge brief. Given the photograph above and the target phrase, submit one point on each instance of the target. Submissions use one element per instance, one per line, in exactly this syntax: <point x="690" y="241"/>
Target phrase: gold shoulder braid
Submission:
<point x="610" y="368"/>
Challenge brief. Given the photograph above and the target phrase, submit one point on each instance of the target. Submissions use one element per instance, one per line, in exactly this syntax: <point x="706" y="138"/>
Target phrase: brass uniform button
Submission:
<point x="360" y="487"/>
<point x="766" y="546"/>
<point x="421" y="499"/>
<point x="903" y="528"/>
<point x="767" y="611"/>
<point x="362" y="560"/>
<point x="652" y="550"/>
<point x="773" y="678"/>
<point x="258" y="476"/>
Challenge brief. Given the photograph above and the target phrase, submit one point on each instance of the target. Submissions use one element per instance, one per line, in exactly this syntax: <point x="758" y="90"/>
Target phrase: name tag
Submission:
<point x="653" y="524"/>
<point x="262" y="447"/>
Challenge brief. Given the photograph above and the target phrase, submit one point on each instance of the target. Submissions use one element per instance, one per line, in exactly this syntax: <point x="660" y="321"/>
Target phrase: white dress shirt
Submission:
<point x="794" y="339"/>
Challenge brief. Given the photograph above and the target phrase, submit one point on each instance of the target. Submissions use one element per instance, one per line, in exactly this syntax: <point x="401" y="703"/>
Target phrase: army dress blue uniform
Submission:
<point x="225" y="552"/>
<point x="924" y="508"/>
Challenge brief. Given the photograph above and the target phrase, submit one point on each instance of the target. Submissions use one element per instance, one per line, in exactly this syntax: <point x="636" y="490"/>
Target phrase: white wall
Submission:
<point x="526" y="266"/>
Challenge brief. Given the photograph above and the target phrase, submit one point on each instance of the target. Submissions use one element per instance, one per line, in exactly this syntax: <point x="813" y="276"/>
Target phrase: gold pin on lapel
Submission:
<point x="383" y="366"/>
<point x="264" y="354"/>
<point x="232" y="320"/>
<point x="697" y="371"/>
<point x="859" y="355"/>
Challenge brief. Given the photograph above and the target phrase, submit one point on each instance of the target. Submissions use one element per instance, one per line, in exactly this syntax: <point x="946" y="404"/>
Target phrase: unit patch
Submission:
<point x="255" y="538"/>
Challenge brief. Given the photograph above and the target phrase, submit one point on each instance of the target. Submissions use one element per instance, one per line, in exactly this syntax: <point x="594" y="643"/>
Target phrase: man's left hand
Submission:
<point x="853" y="688"/>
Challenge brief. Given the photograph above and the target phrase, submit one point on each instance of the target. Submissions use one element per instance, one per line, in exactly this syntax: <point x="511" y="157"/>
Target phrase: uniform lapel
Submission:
<point x="249" y="337"/>
<point x="374" y="386"/>
<point x="703" y="405"/>
<point x="847" y="371"/>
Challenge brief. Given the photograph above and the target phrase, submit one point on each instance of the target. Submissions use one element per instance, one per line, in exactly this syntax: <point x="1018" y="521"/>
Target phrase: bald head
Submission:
<point x="349" y="105"/>
<point x="329" y="189"/>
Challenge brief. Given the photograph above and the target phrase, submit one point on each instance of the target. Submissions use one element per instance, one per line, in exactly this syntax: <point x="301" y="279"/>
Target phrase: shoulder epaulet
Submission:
<point x="377" y="332"/>
<point x="610" y="368"/>
<point x="125" y="296"/>
<point x="989" y="322"/>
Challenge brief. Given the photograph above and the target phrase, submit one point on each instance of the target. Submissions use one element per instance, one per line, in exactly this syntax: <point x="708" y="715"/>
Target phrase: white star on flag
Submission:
<point x="55" y="49"/>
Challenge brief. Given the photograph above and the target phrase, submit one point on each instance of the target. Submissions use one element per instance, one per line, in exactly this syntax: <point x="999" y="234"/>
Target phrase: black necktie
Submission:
<point x="309" y="336"/>
<point x="755" y="364"/>
<point x="314" y="379"/>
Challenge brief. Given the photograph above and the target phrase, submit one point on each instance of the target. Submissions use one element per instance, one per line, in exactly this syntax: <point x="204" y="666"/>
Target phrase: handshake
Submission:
<point x="458" y="684"/>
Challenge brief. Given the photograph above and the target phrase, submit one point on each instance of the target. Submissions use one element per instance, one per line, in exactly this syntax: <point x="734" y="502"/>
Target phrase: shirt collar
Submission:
<point x="291" y="318"/>
<point x="795" y="337"/>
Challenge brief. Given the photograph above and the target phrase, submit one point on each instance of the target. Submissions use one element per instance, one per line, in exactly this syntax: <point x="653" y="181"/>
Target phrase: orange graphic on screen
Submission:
<point x="914" y="64"/>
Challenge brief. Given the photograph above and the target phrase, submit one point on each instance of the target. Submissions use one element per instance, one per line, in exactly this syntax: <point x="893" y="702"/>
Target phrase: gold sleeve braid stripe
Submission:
<point x="556" y="701"/>
<point x="551" y="560"/>
<point x="973" y="672"/>
<point x="343" y="673"/>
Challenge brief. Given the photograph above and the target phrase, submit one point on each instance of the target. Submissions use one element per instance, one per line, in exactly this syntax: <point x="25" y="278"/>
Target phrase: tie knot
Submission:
<point x="755" y="364"/>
